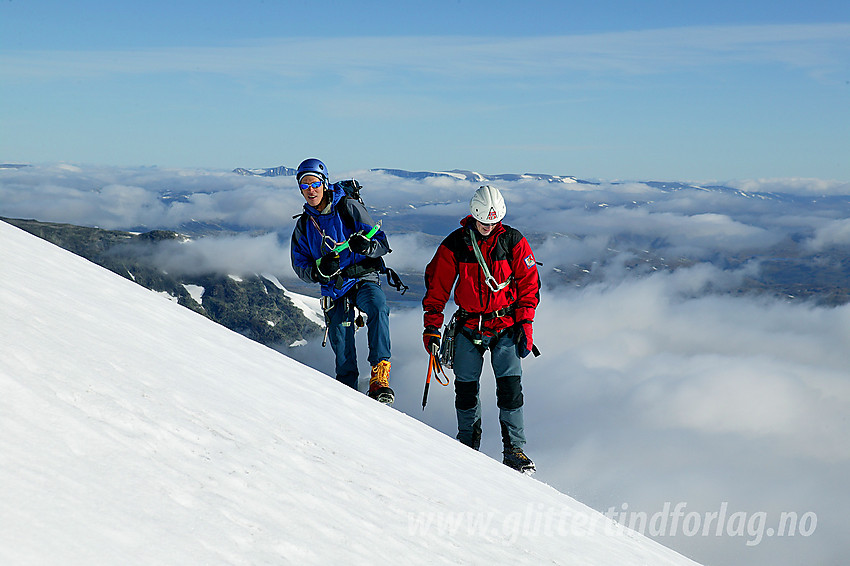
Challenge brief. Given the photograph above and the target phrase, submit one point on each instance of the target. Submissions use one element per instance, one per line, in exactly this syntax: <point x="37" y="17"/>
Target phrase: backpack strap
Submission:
<point x="345" y="214"/>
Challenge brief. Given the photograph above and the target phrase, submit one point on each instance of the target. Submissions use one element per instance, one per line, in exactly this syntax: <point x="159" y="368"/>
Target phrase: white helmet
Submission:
<point x="487" y="205"/>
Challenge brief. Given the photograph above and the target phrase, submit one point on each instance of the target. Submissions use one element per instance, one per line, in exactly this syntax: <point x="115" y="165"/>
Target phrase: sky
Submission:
<point x="654" y="387"/>
<point x="141" y="433"/>
<point x="674" y="91"/>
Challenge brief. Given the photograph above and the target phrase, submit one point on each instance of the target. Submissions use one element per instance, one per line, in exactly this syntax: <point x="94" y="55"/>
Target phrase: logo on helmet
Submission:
<point x="492" y="214"/>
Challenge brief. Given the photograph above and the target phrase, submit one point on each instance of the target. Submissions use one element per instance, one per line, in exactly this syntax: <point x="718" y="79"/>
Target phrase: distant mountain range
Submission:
<point x="271" y="172"/>
<point x="666" y="186"/>
<point x="474" y="177"/>
<point x="460" y="174"/>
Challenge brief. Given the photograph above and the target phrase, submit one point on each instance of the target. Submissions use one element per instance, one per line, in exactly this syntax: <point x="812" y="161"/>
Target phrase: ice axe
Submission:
<point x="344" y="246"/>
<point x="436" y="368"/>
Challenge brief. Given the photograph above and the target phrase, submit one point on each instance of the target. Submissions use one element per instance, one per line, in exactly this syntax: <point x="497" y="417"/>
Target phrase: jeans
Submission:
<point x="369" y="298"/>
<point x="468" y="363"/>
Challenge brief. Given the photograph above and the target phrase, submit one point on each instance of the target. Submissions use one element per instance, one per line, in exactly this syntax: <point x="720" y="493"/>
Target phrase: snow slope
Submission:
<point x="133" y="431"/>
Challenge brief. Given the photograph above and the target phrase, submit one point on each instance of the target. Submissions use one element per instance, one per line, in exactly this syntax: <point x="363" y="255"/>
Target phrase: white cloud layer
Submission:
<point x="653" y="387"/>
<point x="646" y="395"/>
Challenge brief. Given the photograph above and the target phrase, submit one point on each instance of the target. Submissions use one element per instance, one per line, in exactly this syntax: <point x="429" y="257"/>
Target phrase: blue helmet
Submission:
<point x="312" y="167"/>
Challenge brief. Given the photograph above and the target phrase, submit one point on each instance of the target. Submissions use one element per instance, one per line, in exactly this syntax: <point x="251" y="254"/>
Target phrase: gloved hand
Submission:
<point x="360" y="244"/>
<point x="431" y="339"/>
<point x="327" y="268"/>
<point x="524" y="337"/>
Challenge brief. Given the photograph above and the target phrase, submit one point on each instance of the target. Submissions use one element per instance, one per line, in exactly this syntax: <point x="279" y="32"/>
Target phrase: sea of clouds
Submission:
<point x="656" y="386"/>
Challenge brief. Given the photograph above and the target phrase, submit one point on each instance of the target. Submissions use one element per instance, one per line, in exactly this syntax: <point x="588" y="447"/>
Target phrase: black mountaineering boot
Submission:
<point x="515" y="458"/>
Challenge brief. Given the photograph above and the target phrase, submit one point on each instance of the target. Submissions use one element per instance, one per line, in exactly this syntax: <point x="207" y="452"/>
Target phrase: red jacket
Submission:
<point x="506" y="253"/>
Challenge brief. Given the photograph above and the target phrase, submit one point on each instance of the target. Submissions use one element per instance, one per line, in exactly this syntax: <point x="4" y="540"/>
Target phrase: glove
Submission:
<point x="524" y="339"/>
<point x="327" y="268"/>
<point x="431" y="339"/>
<point x="360" y="244"/>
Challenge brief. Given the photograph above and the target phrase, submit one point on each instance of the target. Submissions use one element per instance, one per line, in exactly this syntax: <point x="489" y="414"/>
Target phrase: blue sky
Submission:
<point x="669" y="90"/>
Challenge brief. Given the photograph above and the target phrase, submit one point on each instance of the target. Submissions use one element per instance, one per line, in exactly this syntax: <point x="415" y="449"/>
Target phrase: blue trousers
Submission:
<point x="369" y="298"/>
<point x="507" y="367"/>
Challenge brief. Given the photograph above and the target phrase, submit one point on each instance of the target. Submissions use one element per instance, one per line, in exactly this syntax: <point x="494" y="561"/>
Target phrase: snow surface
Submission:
<point x="134" y="431"/>
<point x="196" y="292"/>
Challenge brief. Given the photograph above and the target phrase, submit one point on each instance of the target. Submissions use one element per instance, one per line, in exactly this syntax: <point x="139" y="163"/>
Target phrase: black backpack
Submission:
<point x="352" y="189"/>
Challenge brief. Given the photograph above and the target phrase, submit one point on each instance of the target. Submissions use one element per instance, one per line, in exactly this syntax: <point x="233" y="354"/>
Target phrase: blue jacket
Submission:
<point x="316" y="234"/>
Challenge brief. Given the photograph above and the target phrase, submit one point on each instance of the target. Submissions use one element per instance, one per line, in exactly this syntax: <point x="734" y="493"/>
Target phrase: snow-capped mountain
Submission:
<point x="268" y="172"/>
<point x="475" y="177"/>
<point x="134" y="431"/>
<point x="664" y="186"/>
<point x="459" y="174"/>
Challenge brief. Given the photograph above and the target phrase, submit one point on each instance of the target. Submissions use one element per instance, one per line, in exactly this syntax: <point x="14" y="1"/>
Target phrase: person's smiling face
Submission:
<point x="484" y="229"/>
<point x="315" y="191"/>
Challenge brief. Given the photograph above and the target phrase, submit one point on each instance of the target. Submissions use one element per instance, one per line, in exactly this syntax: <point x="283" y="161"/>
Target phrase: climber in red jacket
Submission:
<point x="496" y="285"/>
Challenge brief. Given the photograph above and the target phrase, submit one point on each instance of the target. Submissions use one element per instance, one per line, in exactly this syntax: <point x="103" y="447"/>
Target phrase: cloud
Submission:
<point x="833" y="233"/>
<point x="236" y="255"/>
<point x="150" y="198"/>
<point x="410" y="252"/>
<point x="646" y="394"/>
<point x="694" y="235"/>
<point x="810" y="187"/>
<point x="355" y="60"/>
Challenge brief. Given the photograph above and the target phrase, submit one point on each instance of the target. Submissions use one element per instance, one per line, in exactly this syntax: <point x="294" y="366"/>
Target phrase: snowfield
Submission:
<point x="134" y="431"/>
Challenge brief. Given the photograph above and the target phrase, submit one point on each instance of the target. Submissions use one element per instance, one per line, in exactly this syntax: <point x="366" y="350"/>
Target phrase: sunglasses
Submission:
<point x="313" y="185"/>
